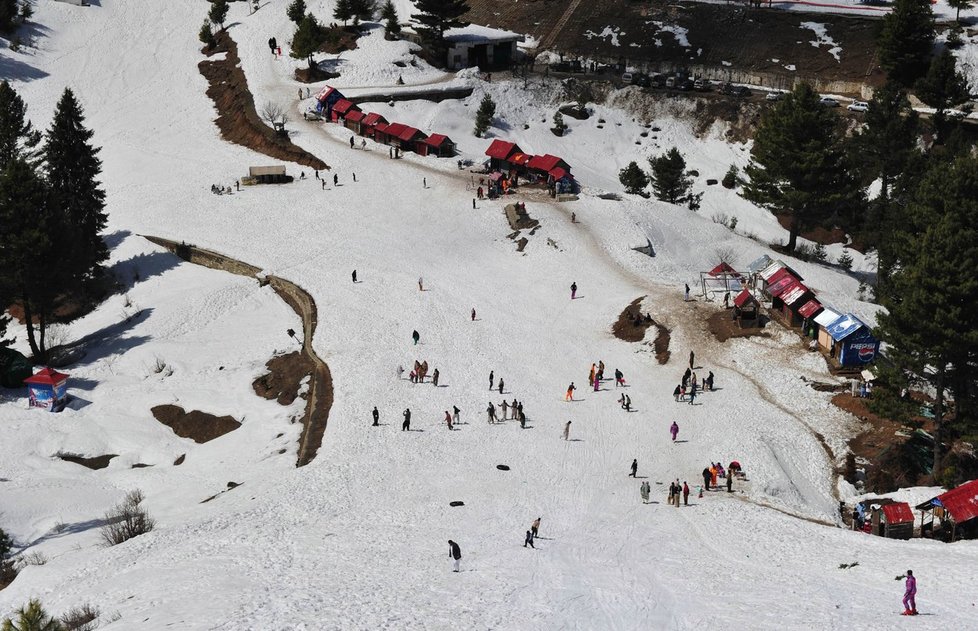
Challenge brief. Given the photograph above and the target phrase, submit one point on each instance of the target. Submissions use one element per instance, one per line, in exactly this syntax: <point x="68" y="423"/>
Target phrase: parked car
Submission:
<point x="777" y="95"/>
<point x="627" y="78"/>
<point x="670" y="82"/>
<point x="642" y="80"/>
<point x="858" y="106"/>
<point x="658" y="81"/>
<point x="955" y="114"/>
<point x="702" y="85"/>
<point x="828" y="101"/>
<point x="685" y="84"/>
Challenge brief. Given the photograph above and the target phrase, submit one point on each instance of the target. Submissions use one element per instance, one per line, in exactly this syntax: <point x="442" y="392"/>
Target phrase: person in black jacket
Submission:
<point x="706" y="478"/>
<point x="376" y="416"/>
<point x="634" y="468"/>
<point x="406" y="425"/>
<point x="528" y="541"/>
<point x="455" y="553"/>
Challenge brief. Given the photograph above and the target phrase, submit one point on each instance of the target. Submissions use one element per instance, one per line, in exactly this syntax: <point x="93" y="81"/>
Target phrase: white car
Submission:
<point x="774" y="96"/>
<point x="955" y="114"/>
<point x="858" y="106"/>
<point x="828" y="101"/>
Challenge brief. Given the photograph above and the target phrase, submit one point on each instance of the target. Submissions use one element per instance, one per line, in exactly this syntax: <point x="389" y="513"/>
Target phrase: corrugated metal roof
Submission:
<point x="743" y="298"/>
<point x="500" y="149"/>
<point x="760" y="263"/>
<point x="827" y="317"/>
<point x="769" y="271"/>
<point x="962" y="502"/>
<point x="781" y="285"/>
<point x="793" y="294"/>
<point x="844" y="326"/>
<point x="809" y="308"/>
<point x="897" y="513"/>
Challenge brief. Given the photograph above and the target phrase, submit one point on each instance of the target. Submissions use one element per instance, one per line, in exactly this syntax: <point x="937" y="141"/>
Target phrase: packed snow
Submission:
<point x="357" y="539"/>
<point x="610" y="33"/>
<point x="822" y="38"/>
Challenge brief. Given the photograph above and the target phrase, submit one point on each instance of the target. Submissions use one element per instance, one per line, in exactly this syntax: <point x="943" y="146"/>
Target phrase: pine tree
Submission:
<point x="559" y="125"/>
<point x="206" y="35"/>
<point x="942" y="87"/>
<point x="307" y="39"/>
<point x="362" y="10"/>
<point x="434" y="18"/>
<point x="296" y="10"/>
<point x="930" y="325"/>
<point x="797" y="164"/>
<point x="906" y="40"/>
<point x="8" y="14"/>
<point x="670" y="183"/>
<point x="32" y="617"/>
<point x="483" y="117"/>
<point x="73" y="169"/>
<point x="960" y="4"/>
<point x="392" y="28"/>
<point x="218" y="12"/>
<point x="18" y="138"/>
<point x="634" y="179"/>
<point x="343" y="10"/>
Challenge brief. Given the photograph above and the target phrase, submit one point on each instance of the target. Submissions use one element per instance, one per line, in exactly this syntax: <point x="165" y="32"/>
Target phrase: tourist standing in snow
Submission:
<point x="528" y="541"/>
<point x="434" y="377"/>
<point x="619" y="378"/>
<point x="687" y="293"/>
<point x="708" y="382"/>
<point x="685" y="493"/>
<point x="376" y="415"/>
<point x="713" y="475"/>
<point x="354" y="276"/>
<point x="448" y="420"/>
<point x="336" y="180"/>
<point x="677" y="392"/>
<point x="645" y="489"/>
<point x="491" y="412"/>
<point x="706" y="478"/>
<point x="691" y="356"/>
<point x="455" y="412"/>
<point x="674" y="430"/>
<point x="730" y="482"/>
<point x="473" y="314"/>
<point x="492" y="378"/>
<point x="454" y="552"/>
<point x="400" y="371"/>
<point x="406" y="425"/>
<point x="672" y="492"/>
<point x="420" y="283"/>
<point x="570" y="392"/>
<point x="535" y="526"/>
<point x="415" y="336"/>
<point x="567" y="431"/>
<point x="686" y="376"/>
<point x="909" y="595"/>
<point x="634" y="468"/>
<point x="600" y="370"/>
<point x="500" y="385"/>
<point x="573" y="290"/>
<point x="692" y="394"/>
<point x="505" y="407"/>
<point x="628" y="403"/>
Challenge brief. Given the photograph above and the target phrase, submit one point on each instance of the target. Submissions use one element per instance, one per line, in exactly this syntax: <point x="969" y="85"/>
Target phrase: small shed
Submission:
<point x="341" y="108"/>
<point x="354" y="121"/>
<point x="854" y="341"/>
<point x="475" y="45"/>
<point x="789" y="299"/>
<point x="546" y="163"/>
<point x="827" y="316"/>
<point x="326" y="99"/>
<point x="897" y="520"/>
<point x="746" y="308"/>
<point x="381" y="133"/>
<point x="954" y="512"/>
<point x="808" y="310"/>
<point x="440" y="145"/>
<point x="411" y="139"/>
<point x="499" y="153"/>
<point x="47" y="390"/>
<point x="370" y="122"/>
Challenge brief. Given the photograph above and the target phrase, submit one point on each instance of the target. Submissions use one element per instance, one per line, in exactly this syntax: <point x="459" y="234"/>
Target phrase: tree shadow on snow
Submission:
<point x="65" y="530"/>
<point x="11" y="68"/>
<point x="142" y="267"/>
<point x="111" y="340"/>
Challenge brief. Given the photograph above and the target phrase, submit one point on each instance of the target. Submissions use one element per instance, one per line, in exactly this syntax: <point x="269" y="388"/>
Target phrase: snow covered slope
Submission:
<point x="357" y="539"/>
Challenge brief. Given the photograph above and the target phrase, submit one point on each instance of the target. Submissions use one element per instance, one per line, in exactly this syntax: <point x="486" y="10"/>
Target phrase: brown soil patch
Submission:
<point x="97" y="462"/>
<point x="742" y="115"/>
<point x="284" y="377"/>
<point x="723" y="327"/>
<point x="313" y="75"/>
<point x="238" y="121"/>
<point x="818" y="234"/>
<point x="195" y="425"/>
<point x="628" y="329"/>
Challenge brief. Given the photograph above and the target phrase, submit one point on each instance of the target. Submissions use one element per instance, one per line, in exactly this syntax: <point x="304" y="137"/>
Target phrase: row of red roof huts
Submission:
<point x="337" y="109"/>
<point x="507" y="156"/>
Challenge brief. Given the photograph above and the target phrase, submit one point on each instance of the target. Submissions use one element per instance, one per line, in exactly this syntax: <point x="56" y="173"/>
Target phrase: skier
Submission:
<point x="677" y="392"/>
<point x="455" y="411"/>
<point x="645" y="489"/>
<point x="434" y="377"/>
<point x="492" y="378"/>
<point x="573" y="290"/>
<point x="909" y="595"/>
<point x="491" y="411"/>
<point x="528" y="541"/>
<point x="448" y="420"/>
<point x="570" y="392"/>
<point x="685" y="493"/>
<point x="619" y="378"/>
<point x="354" y="276"/>
<point x="455" y="553"/>
<point x="473" y="314"/>
<point x="351" y="142"/>
<point x="535" y="527"/>
<point x="687" y="293"/>
<point x="706" y="478"/>
<point x="406" y="425"/>
<point x="415" y="336"/>
<point x="674" y="430"/>
<point x="376" y="416"/>
<point x="567" y="431"/>
<point x="336" y="180"/>
<point x="500" y="385"/>
<point x="634" y="468"/>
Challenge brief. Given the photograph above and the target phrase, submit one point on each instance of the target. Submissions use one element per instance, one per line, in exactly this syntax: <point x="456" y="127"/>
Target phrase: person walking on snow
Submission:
<point x="473" y="314"/>
<point x="424" y="182"/>
<point x="597" y="384"/>
<point x="691" y="355"/>
<point x="687" y="293"/>
<point x="685" y="493"/>
<point x="492" y="378"/>
<point x="590" y="375"/>
<point x="573" y="290"/>
<point x="535" y="527"/>
<point x="909" y="595"/>
<point x="420" y="283"/>
<point x="628" y="403"/>
<point x="713" y="475"/>
<point x="678" y="491"/>
<point x="600" y="375"/>
<point x="528" y="541"/>
<point x="567" y="431"/>
<point x="434" y="377"/>
<point x="336" y="180"/>
<point x="692" y="394"/>
<point x="354" y="276"/>
<point x="730" y="483"/>
<point x="504" y="406"/>
<point x="645" y="489"/>
<point x="455" y="412"/>
<point x="706" y="478"/>
<point x="686" y="376"/>
<point x="415" y="336"/>
<point x="677" y="392"/>
<point x="491" y="411"/>
<point x="406" y="425"/>
<point x="674" y="430"/>
<point x="619" y="378"/>
<point x="448" y="420"/>
<point x="454" y="552"/>
<point x="570" y="392"/>
<point x="351" y="142"/>
<point x="500" y="385"/>
<point x="376" y="416"/>
<point x="634" y="468"/>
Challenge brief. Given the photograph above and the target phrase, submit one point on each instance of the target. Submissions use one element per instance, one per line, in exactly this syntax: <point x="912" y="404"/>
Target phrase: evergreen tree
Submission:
<point x="296" y="11"/>
<point x="218" y="12"/>
<point x="32" y="617"/>
<point x="8" y="14"/>
<point x="6" y="545"/>
<point x="634" y="179"/>
<point x="942" y="87"/>
<point x="931" y="326"/>
<point x="960" y="4"/>
<point x="906" y="40"/>
<point x="392" y="28"/>
<point x="797" y="164"/>
<point x="343" y="10"/>
<point x="362" y="10"/>
<point x="559" y="125"/>
<point x="206" y="35"/>
<point x="483" y="117"/>
<point x="670" y="183"/>
<point x="18" y="138"/>
<point x="73" y="169"/>
<point x="434" y="18"/>
<point x="308" y="38"/>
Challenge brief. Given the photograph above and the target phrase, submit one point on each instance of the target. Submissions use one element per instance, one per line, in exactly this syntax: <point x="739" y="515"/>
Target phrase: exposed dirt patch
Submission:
<point x="632" y="325"/>
<point x="314" y="75"/>
<point x="198" y="426"/>
<point x="97" y="462"/>
<point x="238" y="121"/>
<point x="743" y="116"/>
<point x="284" y="377"/>
<point x="818" y="234"/>
<point x="723" y="327"/>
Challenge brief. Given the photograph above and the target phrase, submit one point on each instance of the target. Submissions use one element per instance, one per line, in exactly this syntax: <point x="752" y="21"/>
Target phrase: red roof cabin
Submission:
<point x="47" y="390"/>
<point x="354" y="121"/>
<point x="546" y="163"/>
<point x="500" y="152"/>
<point x="370" y="122"/>
<point x="440" y="145"/>
<point x="956" y="512"/>
<point x="411" y="139"/>
<point x="746" y="309"/>
<point x="341" y="108"/>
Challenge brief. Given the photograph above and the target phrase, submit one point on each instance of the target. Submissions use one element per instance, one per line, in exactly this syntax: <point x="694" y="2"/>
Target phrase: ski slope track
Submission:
<point x="356" y="538"/>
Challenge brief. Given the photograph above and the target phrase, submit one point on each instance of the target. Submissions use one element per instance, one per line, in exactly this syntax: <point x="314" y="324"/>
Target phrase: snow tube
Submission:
<point x="502" y="467"/>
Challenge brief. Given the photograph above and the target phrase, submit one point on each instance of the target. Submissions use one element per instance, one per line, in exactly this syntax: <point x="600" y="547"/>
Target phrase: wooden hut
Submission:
<point x="951" y="515"/>
<point x="746" y="309"/>
<point x="370" y="122"/>
<point x="440" y="145"/>
<point x="853" y="340"/>
<point x="341" y="108"/>
<point x="499" y="153"/>
<point x="827" y="316"/>
<point x="354" y="121"/>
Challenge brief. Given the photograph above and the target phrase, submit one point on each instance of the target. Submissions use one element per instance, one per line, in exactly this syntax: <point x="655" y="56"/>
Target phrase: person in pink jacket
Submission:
<point x="909" y="595"/>
<point x="674" y="430"/>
